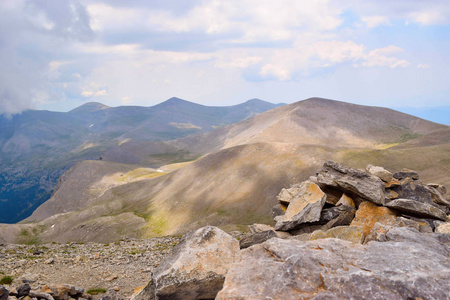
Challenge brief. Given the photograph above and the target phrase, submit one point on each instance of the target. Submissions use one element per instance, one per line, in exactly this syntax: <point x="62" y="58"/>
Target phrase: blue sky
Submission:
<point x="57" y="55"/>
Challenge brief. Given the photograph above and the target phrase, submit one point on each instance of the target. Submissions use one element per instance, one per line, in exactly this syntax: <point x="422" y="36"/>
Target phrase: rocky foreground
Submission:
<point x="343" y="234"/>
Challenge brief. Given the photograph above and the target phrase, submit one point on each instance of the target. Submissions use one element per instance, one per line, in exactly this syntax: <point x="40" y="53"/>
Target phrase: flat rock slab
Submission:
<point x="256" y="238"/>
<point x="197" y="267"/>
<point x="337" y="269"/>
<point x="418" y="209"/>
<point x="347" y="233"/>
<point x="306" y="207"/>
<point x="352" y="181"/>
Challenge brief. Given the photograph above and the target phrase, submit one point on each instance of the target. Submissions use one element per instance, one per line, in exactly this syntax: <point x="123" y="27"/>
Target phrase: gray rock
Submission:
<point x="197" y="267"/>
<point x="443" y="228"/>
<point x="337" y="269"/>
<point x="277" y="210"/>
<point x="352" y="181"/>
<point x="440" y="188"/>
<point x="38" y="295"/>
<point x="4" y="293"/>
<point x="306" y="207"/>
<point x="286" y="195"/>
<point x="23" y="290"/>
<point x="256" y="238"/>
<point x="416" y="208"/>
<point x="255" y="228"/>
<point x="380" y="172"/>
<point x="406" y="173"/>
<point x="436" y="196"/>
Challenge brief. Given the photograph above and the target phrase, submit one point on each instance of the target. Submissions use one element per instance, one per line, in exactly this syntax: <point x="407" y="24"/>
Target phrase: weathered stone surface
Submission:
<point x="347" y="233"/>
<point x="436" y="196"/>
<point x="41" y="295"/>
<point x="197" y="267"/>
<point x="345" y="218"/>
<point x="23" y="290"/>
<point x="256" y="238"/>
<point x="352" y="181"/>
<point x="304" y="208"/>
<point x="440" y="188"/>
<point x="392" y="221"/>
<point x="392" y="183"/>
<point x="368" y="214"/>
<point x="337" y="269"/>
<point x="286" y="195"/>
<point x="414" y="190"/>
<point x="406" y="173"/>
<point x="263" y="227"/>
<point x="255" y="228"/>
<point x="144" y="292"/>
<point x="4" y="293"/>
<point x="346" y="200"/>
<point x="416" y="208"/>
<point x="278" y="210"/>
<point x="380" y="172"/>
<point x="390" y="194"/>
<point x="443" y="228"/>
<point x="59" y="291"/>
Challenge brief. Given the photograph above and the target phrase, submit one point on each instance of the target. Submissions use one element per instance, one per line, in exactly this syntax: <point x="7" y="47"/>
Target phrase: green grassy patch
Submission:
<point x="96" y="291"/>
<point x="6" y="280"/>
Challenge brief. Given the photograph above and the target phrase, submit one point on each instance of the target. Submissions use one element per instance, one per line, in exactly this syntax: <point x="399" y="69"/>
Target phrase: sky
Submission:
<point x="57" y="55"/>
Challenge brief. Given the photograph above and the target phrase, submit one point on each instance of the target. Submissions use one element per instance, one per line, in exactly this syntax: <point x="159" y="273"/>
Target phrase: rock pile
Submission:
<point x="344" y="233"/>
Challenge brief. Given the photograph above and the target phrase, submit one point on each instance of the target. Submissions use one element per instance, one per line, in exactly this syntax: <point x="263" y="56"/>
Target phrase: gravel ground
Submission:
<point x="122" y="266"/>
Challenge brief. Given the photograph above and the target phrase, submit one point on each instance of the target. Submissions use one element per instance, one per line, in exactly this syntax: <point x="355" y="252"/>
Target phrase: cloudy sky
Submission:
<point x="58" y="54"/>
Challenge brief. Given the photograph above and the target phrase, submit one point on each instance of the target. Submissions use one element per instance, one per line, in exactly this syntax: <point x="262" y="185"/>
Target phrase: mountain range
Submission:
<point x="37" y="147"/>
<point x="236" y="171"/>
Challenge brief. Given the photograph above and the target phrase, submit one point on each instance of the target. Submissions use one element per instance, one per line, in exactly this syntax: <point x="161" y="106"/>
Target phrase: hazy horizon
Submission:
<point x="57" y="55"/>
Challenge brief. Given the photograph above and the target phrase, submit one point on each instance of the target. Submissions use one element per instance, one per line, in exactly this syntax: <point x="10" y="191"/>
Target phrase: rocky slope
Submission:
<point x="237" y="186"/>
<point x="36" y="147"/>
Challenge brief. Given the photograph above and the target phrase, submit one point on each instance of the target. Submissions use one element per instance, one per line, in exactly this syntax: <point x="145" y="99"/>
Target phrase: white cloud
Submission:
<point x="375" y="21"/>
<point x="423" y="66"/>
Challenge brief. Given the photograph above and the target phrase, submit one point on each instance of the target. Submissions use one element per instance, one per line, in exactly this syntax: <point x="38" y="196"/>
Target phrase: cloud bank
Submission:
<point x="59" y="54"/>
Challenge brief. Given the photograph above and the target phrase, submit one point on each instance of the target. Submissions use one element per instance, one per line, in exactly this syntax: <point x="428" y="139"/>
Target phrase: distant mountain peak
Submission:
<point x="89" y="107"/>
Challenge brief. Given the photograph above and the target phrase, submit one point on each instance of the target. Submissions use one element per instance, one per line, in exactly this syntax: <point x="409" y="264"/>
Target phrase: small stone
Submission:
<point x="278" y="210"/>
<point x="23" y="290"/>
<point x="345" y="200"/>
<point x="406" y="173"/>
<point x="380" y="172"/>
<point x="286" y="195"/>
<point x="111" y="278"/>
<point x="4" y="293"/>
<point x="256" y="238"/>
<point x="116" y="288"/>
<point x="390" y="194"/>
<point x="49" y="261"/>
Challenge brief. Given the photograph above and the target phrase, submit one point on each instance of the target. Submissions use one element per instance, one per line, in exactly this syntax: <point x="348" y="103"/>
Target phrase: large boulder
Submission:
<point x="352" y="181"/>
<point x="306" y="207"/>
<point x="337" y="269"/>
<point x="197" y="267"/>
<point x="416" y="208"/>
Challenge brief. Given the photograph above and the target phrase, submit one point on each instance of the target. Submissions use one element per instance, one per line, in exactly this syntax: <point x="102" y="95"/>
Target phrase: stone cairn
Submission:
<point x="344" y="233"/>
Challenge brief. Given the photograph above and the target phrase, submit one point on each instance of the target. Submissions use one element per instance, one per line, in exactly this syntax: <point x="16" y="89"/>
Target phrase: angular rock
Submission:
<point x="443" y="228"/>
<point x="368" y="214"/>
<point x="391" y="222"/>
<point x="286" y="195"/>
<point x="390" y="194"/>
<point x="436" y="196"/>
<point x="380" y="172"/>
<point x="352" y="234"/>
<point x="352" y="181"/>
<point x="23" y="290"/>
<point x="256" y="238"/>
<point x="346" y="216"/>
<point x="41" y="295"/>
<point x="304" y="208"/>
<point x="337" y="269"/>
<point x="255" y="228"/>
<point x="4" y="293"/>
<point x="412" y="189"/>
<point x="440" y="188"/>
<point x="392" y="183"/>
<point x="416" y="208"/>
<point x="197" y="267"/>
<point x="278" y="210"/>
<point x="144" y="292"/>
<point x="346" y="200"/>
<point x="406" y="173"/>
